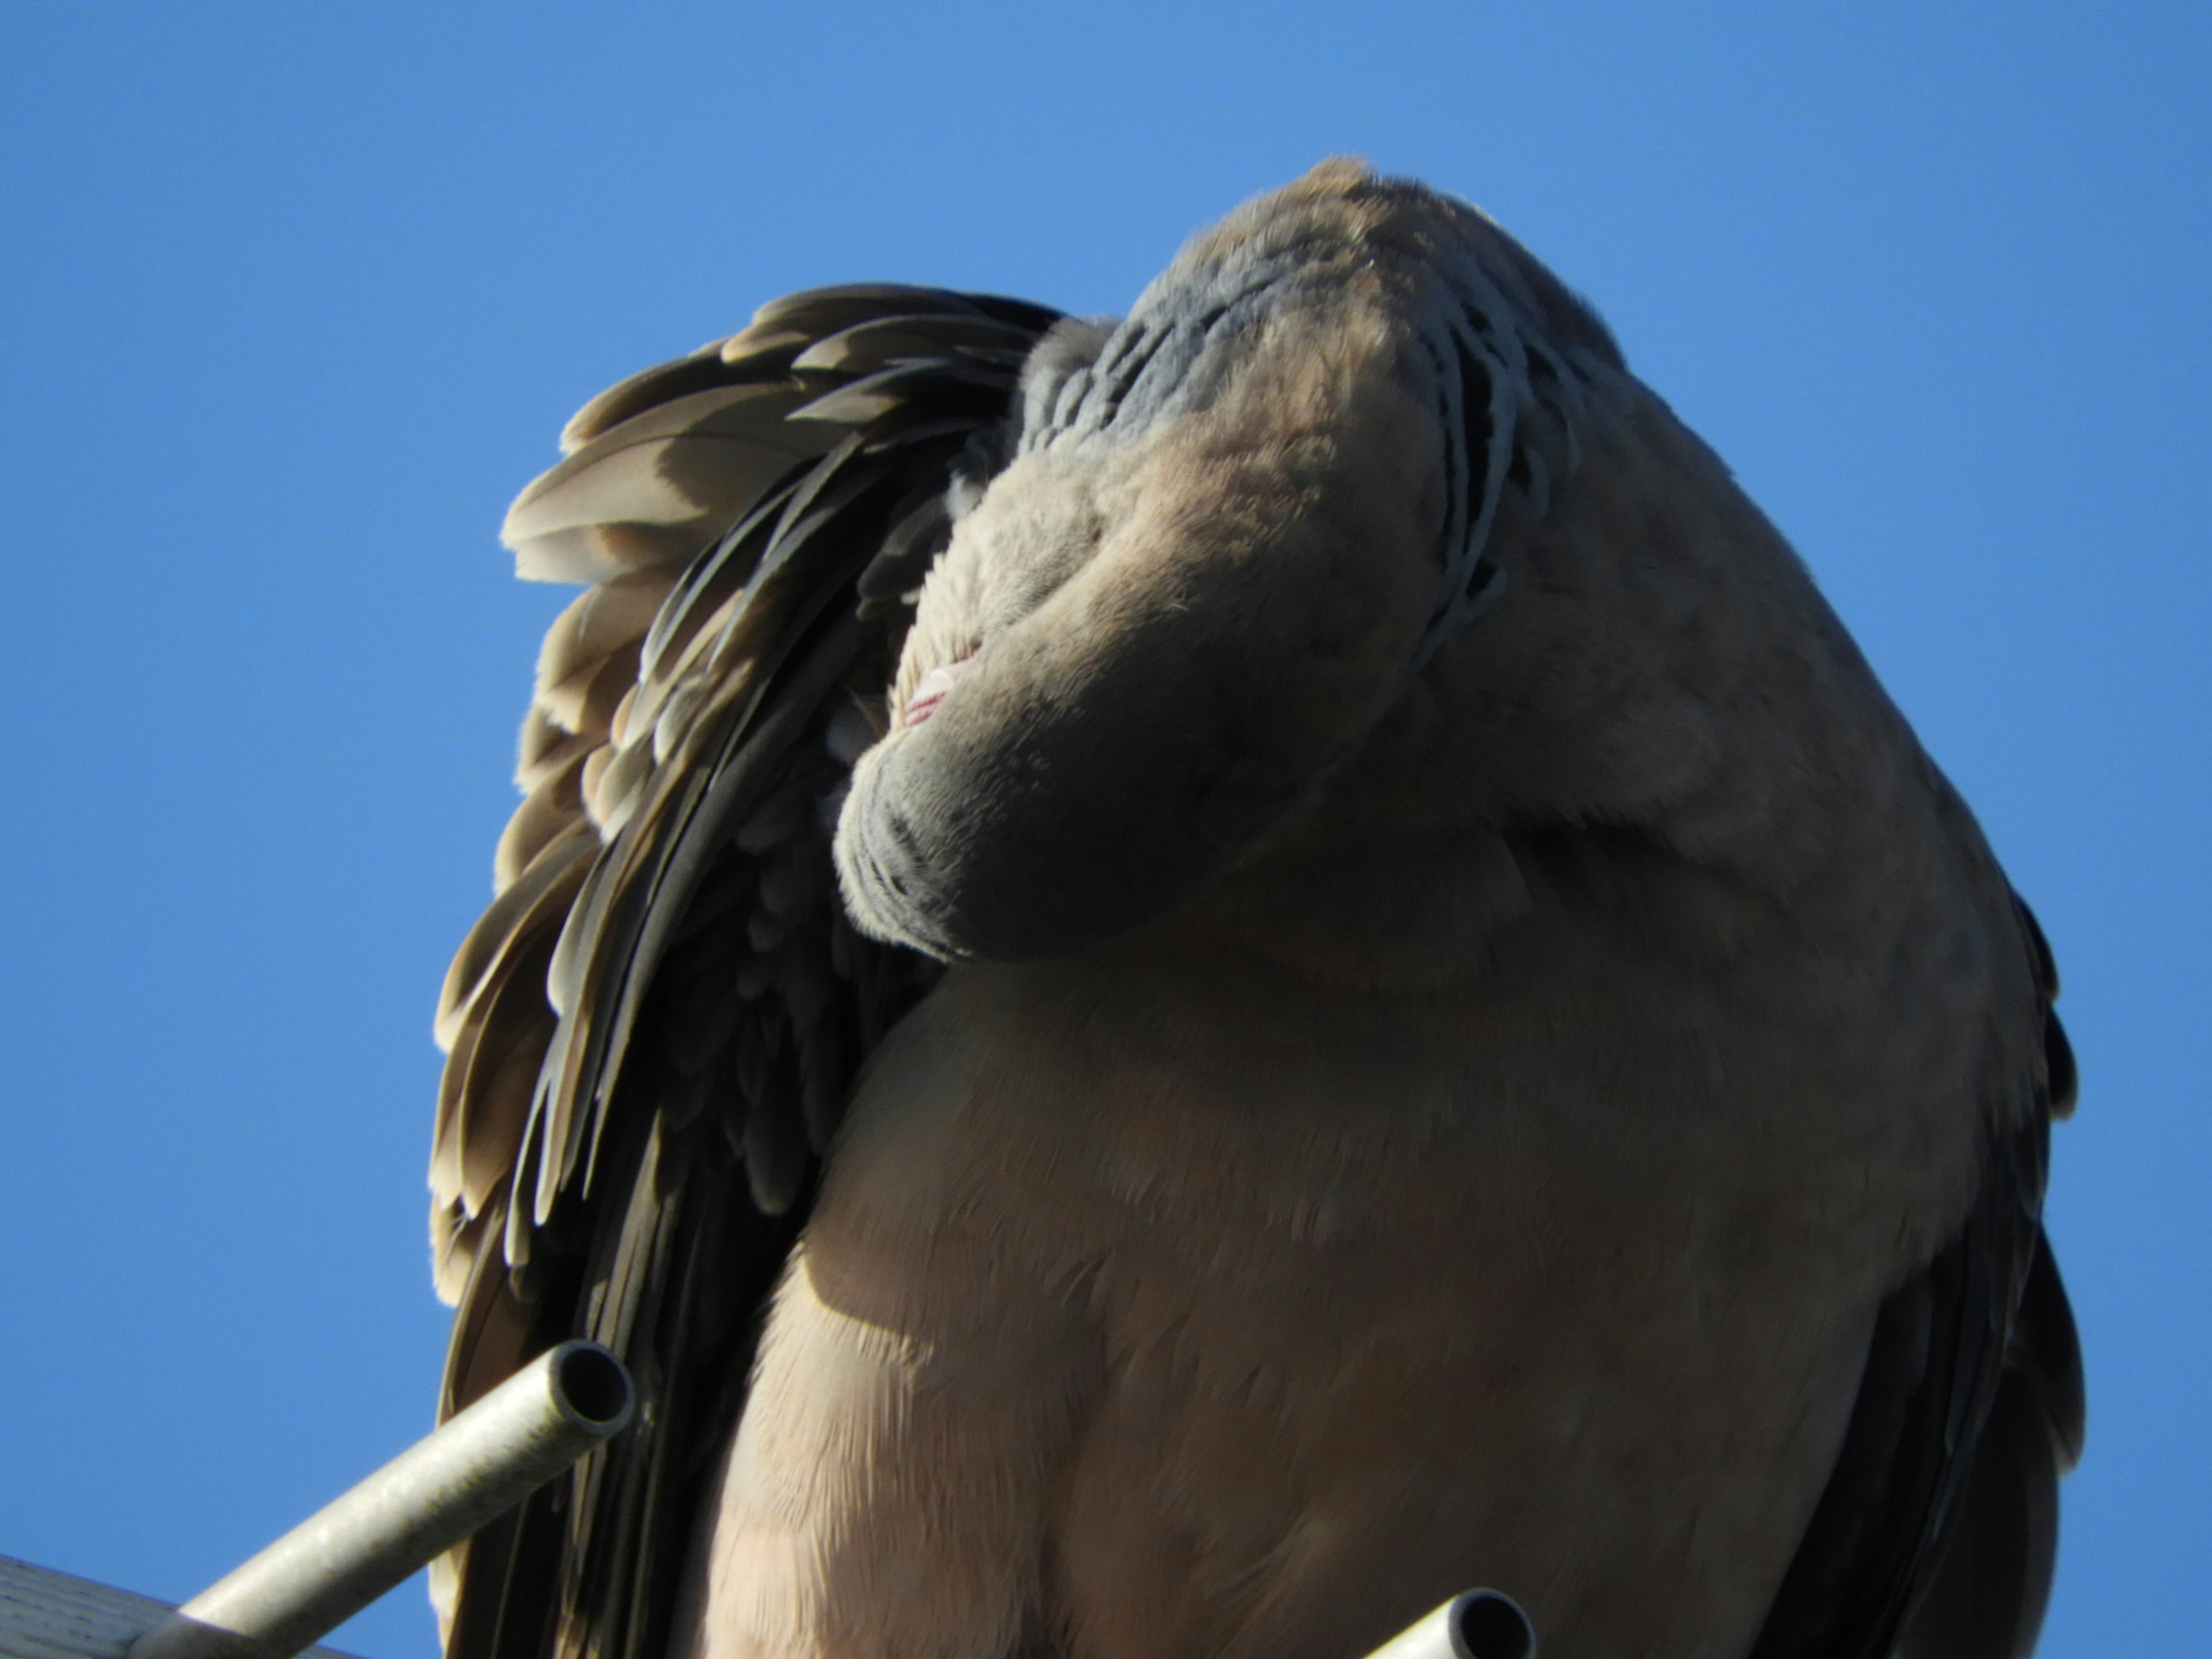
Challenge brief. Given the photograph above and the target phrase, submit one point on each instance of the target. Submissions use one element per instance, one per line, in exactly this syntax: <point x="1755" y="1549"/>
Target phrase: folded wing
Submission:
<point x="1938" y="1531"/>
<point x="651" y="1032"/>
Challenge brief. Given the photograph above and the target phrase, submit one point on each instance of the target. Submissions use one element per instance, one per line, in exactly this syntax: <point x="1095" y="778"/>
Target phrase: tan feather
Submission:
<point x="550" y="810"/>
<point x="601" y="621"/>
<point x="542" y="748"/>
<point x="717" y="363"/>
<point x="507" y="949"/>
<point x="585" y="702"/>
<point x="817" y="312"/>
<point x="519" y="910"/>
<point x="502" y="1079"/>
<point x="655" y="487"/>
<point x="868" y="347"/>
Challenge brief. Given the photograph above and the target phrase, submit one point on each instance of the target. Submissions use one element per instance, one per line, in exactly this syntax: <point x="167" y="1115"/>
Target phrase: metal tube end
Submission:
<point x="524" y="1432"/>
<point x="1485" y="1624"/>
<point x="591" y="1387"/>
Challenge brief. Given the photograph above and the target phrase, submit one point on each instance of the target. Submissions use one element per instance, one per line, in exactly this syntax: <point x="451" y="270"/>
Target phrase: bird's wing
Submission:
<point x="1937" y="1532"/>
<point x="651" y="1032"/>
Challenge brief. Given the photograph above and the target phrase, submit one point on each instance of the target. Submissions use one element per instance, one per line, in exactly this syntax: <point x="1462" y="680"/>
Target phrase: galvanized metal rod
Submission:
<point x="1483" y="1624"/>
<point x="479" y="1463"/>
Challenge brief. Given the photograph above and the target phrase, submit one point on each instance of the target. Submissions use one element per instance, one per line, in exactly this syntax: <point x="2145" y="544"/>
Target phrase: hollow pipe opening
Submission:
<point x="590" y="1384"/>
<point x="1486" y="1624"/>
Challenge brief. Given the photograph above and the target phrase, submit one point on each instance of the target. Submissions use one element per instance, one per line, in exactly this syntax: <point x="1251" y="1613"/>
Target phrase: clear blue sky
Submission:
<point x="296" y="296"/>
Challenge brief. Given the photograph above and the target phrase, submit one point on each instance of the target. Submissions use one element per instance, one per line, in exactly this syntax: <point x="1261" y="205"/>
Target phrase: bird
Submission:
<point x="1180" y="983"/>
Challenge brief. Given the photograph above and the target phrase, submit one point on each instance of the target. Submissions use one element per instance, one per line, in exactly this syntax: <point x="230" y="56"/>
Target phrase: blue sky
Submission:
<point x="297" y="295"/>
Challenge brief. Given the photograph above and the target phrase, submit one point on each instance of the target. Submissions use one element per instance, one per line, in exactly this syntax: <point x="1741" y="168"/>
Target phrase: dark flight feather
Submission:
<point x="1937" y="1533"/>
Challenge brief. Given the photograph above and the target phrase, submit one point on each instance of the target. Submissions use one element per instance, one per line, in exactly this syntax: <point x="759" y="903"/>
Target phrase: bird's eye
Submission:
<point x="930" y="691"/>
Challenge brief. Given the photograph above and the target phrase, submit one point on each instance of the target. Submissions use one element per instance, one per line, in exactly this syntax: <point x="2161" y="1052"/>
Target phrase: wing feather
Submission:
<point x="651" y="1032"/>
<point x="1936" y="1534"/>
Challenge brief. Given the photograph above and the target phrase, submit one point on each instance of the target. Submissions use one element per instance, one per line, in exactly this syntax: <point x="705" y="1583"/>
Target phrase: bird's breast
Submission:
<point x="1564" y="1290"/>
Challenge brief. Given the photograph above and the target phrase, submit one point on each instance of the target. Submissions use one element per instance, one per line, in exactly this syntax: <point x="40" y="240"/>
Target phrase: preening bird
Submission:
<point x="1181" y="984"/>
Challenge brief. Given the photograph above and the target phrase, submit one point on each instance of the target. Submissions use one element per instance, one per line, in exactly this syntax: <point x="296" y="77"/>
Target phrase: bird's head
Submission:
<point x="1233" y="527"/>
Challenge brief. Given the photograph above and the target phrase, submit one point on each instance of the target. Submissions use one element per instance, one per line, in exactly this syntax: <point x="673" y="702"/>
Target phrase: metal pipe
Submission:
<point x="479" y="1463"/>
<point x="1483" y="1624"/>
